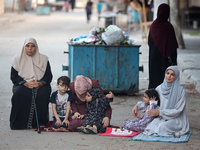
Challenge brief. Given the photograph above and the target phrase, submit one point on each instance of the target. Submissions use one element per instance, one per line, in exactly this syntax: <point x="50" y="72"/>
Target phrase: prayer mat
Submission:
<point x="119" y="132"/>
<point x="49" y="128"/>
<point x="181" y="139"/>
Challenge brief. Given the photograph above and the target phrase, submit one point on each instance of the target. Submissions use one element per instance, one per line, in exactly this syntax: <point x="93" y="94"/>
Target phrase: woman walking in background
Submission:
<point x="89" y="10"/>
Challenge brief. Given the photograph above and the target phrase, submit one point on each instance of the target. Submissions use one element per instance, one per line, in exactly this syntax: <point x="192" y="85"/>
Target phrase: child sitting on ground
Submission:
<point x="151" y="101"/>
<point x="96" y="107"/>
<point x="61" y="103"/>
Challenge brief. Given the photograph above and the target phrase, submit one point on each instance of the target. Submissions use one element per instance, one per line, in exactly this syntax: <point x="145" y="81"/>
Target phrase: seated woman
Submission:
<point x="30" y="74"/>
<point x="78" y="89"/>
<point x="172" y="118"/>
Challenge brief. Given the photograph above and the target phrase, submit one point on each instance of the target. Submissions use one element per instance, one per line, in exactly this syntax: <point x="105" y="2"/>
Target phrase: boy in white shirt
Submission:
<point x="61" y="103"/>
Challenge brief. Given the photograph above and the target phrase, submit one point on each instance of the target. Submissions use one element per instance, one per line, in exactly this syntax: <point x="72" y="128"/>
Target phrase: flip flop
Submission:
<point x="83" y="129"/>
<point x="91" y="130"/>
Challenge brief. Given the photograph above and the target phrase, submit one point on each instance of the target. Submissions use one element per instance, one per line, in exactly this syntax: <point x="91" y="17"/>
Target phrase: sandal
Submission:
<point x="91" y="130"/>
<point x="83" y="129"/>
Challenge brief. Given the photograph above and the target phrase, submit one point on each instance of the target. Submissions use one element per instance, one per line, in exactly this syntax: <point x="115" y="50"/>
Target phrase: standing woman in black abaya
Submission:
<point x="162" y="46"/>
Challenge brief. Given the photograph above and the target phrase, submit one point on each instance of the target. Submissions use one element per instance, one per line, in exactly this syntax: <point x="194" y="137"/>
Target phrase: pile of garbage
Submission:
<point x="112" y="35"/>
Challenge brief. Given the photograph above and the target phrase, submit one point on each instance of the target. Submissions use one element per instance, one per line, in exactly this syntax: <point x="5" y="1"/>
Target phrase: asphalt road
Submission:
<point x="52" y="32"/>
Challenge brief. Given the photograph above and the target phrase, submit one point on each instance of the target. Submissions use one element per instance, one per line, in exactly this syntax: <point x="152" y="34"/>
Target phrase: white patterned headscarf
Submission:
<point x="30" y="67"/>
<point x="172" y="91"/>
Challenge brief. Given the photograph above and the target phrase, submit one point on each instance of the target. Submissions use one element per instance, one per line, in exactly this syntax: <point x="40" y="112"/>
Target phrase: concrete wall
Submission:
<point x="1" y="7"/>
<point x="195" y="3"/>
<point x="12" y="5"/>
<point x="9" y="5"/>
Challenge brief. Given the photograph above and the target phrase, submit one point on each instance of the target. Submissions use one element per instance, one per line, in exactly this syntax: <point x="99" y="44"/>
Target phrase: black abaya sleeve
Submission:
<point x="174" y="58"/>
<point x="48" y="75"/>
<point x="16" y="79"/>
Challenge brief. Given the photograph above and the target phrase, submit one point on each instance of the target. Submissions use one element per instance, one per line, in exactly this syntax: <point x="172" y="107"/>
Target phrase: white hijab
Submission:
<point x="172" y="91"/>
<point x="30" y="67"/>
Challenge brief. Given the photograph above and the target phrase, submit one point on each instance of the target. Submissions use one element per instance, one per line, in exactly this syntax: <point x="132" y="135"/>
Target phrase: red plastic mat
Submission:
<point x="119" y="132"/>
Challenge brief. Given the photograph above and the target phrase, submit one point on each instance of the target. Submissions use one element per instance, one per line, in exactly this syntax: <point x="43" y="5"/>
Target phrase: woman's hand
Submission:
<point x="76" y="115"/>
<point x="33" y="84"/>
<point x="153" y="112"/>
<point x="105" y="122"/>
<point x="134" y="111"/>
<point x="29" y="84"/>
<point x="110" y="95"/>
<point x="37" y="85"/>
<point x="80" y="116"/>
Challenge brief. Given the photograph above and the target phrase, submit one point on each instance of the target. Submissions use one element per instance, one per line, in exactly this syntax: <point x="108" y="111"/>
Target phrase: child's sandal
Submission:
<point x="91" y="130"/>
<point x="83" y="129"/>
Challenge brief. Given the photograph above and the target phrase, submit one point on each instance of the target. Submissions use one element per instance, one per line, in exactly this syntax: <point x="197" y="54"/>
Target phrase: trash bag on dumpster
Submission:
<point x="112" y="35"/>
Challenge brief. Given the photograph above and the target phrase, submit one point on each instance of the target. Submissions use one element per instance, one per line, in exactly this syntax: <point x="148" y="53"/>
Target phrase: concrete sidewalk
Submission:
<point x="9" y="18"/>
<point x="188" y="59"/>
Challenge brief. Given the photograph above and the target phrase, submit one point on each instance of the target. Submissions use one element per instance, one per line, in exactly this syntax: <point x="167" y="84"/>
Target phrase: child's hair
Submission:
<point x="153" y="93"/>
<point x="95" y="93"/>
<point x="64" y="79"/>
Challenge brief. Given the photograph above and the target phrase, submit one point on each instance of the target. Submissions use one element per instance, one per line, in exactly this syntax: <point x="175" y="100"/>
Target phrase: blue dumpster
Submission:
<point x="116" y="67"/>
<point x="43" y="10"/>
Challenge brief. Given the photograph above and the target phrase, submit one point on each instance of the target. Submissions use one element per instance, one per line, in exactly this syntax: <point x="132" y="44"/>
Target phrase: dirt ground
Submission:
<point x="52" y="32"/>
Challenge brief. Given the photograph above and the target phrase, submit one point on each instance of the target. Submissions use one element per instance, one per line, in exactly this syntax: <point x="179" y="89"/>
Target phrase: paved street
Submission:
<point x="52" y="32"/>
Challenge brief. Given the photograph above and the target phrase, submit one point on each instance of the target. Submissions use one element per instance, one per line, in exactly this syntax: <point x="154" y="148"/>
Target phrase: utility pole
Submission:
<point x="13" y="6"/>
<point x="174" y="19"/>
<point x="20" y="6"/>
<point x="1" y="7"/>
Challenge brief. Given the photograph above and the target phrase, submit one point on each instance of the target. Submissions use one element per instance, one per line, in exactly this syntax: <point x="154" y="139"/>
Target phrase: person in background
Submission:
<point x="61" y="103"/>
<point x="135" y="11"/>
<point x="66" y="5"/>
<point x="150" y="12"/>
<point x="30" y="74"/>
<point x="99" y="7"/>
<point x="162" y="46"/>
<point x="88" y="9"/>
<point x="72" y="2"/>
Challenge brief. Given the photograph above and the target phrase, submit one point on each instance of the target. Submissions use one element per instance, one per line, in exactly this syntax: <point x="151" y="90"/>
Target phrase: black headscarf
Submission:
<point x="162" y="32"/>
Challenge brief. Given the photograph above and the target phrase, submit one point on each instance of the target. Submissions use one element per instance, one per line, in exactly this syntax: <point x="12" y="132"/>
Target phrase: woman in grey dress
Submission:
<point x="172" y="118"/>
